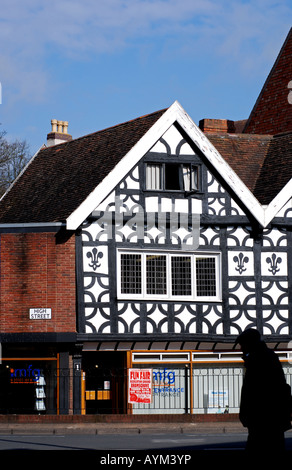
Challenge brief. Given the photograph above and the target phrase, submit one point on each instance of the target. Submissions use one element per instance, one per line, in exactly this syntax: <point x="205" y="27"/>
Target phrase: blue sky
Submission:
<point x="96" y="63"/>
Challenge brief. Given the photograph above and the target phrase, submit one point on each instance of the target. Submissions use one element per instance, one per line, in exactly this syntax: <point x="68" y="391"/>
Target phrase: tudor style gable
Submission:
<point x="172" y="253"/>
<point x="177" y="116"/>
<point x="141" y="255"/>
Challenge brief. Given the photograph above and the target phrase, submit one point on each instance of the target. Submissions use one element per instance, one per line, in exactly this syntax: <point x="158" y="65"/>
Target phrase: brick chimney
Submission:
<point x="217" y="126"/>
<point x="59" y="133"/>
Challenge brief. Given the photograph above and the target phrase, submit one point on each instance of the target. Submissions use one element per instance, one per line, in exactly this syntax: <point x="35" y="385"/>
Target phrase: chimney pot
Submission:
<point x="65" y="127"/>
<point x="60" y="127"/>
<point x="54" y="125"/>
<point x="59" y="133"/>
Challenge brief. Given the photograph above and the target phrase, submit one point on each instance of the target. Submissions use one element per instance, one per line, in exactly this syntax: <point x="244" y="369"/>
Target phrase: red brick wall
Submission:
<point x="37" y="272"/>
<point x="272" y="113"/>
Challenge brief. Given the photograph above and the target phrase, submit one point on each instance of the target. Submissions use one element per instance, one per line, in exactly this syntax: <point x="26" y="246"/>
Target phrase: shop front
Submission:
<point x="194" y="382"/>
<point x="29" y="385"/>
<point x="190" y="382"/>
<point x="161" y="382"/>
<point x="137" y="382"/>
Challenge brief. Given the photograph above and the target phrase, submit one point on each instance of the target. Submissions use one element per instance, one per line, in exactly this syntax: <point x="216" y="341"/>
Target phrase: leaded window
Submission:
<point x="169" y="275"/>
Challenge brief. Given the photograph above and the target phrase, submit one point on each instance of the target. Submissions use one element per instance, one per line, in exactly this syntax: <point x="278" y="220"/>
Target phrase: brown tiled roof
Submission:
<point x="244" y="153"/>
<point x="59" y="178"/>
<point x="272" y="113"/>
<point x="262" y="162"/>
<point x="276" y="170"/>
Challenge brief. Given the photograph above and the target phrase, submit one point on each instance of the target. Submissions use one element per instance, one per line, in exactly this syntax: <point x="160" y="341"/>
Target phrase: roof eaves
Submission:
<point x="21" y="173"/>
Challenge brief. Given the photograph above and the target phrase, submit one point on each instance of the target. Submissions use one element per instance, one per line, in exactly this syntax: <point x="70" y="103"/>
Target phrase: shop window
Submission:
<point x="29" y="386"/>
<point x="174" y="276"/>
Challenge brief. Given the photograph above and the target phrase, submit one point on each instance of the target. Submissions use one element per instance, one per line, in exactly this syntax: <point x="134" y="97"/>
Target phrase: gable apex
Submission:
<point x="174" y="114"/>
<point x="142" y="146"/>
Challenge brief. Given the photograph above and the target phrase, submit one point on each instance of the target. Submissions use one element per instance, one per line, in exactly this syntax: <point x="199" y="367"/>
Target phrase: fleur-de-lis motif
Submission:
<point x="274" y="262"/>
<point x="240" y="260"/>
<point x="94" y="256"/>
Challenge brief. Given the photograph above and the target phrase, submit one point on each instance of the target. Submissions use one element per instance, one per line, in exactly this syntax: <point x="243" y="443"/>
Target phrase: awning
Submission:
<point x="169" y="346"/>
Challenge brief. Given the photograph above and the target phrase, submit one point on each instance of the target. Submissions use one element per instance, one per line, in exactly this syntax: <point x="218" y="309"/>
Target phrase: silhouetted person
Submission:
<point x="265" y="396"/>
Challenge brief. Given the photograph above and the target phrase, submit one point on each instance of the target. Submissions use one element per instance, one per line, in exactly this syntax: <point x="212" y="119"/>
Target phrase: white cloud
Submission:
<point x="34" y="31"/>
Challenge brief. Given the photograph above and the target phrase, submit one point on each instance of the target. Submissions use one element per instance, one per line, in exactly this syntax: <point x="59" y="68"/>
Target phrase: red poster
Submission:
<point x="140" y="386"/>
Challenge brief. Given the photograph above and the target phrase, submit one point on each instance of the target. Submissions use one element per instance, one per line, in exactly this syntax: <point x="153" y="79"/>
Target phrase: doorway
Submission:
<point x="105" y="382"/>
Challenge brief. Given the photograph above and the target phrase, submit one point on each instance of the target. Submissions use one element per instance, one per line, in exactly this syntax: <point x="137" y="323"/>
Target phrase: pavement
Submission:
<point x="118" y="428"/>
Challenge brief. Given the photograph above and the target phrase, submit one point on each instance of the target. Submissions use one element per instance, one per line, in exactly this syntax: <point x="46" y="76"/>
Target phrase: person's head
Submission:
<point x="249" y="340"/>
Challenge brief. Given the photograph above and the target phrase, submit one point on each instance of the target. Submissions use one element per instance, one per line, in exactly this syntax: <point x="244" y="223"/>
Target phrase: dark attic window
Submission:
<point x="172" y="177"/>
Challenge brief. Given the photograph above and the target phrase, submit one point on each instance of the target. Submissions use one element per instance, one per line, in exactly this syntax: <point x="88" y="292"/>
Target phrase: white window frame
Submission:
<point x="189" y="178"/>
<point x="169" y="296"/>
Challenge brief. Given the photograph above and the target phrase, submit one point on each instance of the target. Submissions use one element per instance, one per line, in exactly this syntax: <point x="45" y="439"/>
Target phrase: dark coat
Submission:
<point x="265" y="396"/>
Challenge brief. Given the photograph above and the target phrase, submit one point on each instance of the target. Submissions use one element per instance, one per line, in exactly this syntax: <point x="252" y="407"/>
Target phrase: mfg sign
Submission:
<point x="140" y="386"/>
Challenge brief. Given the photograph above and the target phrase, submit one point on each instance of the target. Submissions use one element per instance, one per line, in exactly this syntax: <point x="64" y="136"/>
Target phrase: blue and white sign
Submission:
<point x="168" y="392"/>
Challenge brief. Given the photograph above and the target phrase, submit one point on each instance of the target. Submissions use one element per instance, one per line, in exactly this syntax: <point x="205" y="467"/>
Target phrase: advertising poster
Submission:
<point x="218" y="400"/>
<point x="140" y="386"/>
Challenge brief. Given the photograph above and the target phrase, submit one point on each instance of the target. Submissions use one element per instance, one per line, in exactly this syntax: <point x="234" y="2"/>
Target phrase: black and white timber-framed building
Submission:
<point x="182" y="240"/>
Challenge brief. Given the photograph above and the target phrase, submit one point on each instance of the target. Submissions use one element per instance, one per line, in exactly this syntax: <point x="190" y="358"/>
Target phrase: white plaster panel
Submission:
<point x="126" y="319"/>
<point x="181" y="205"/>
<point x="242" y="292"/>
<point x="235" y="209"/>
<point x="95" y="259"/>
<point x="274" y="238"/>
<point x="216" y="206"/>
<point x="213" y="184"/>
<point x="274" y="264"/>
<point x="166" y="205"/>
<point x="96" y="289"/>
<point x="210" y="319"/>
<point x="239" y="237"/>
<point x="197" y="207"/>
<point x="101" y="317"/>
<point x="157" y="318"/>
<point x="209" y="237"/>
<point x="276" y="321"/>
<point x="184" y="320"/>
<point x="132" y="181"/>
<point x="151" y="204"/>
<point x="275" y="293"/>
<point x="240" y="263"/>
<point x="241" y="321"/>
<point x="154" y="235"/>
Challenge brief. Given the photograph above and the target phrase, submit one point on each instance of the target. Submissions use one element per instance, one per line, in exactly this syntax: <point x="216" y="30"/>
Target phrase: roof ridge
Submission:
<point x="100" y="151"/>
<point x="243" y="135"/>
<point x="106" y="129"/>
